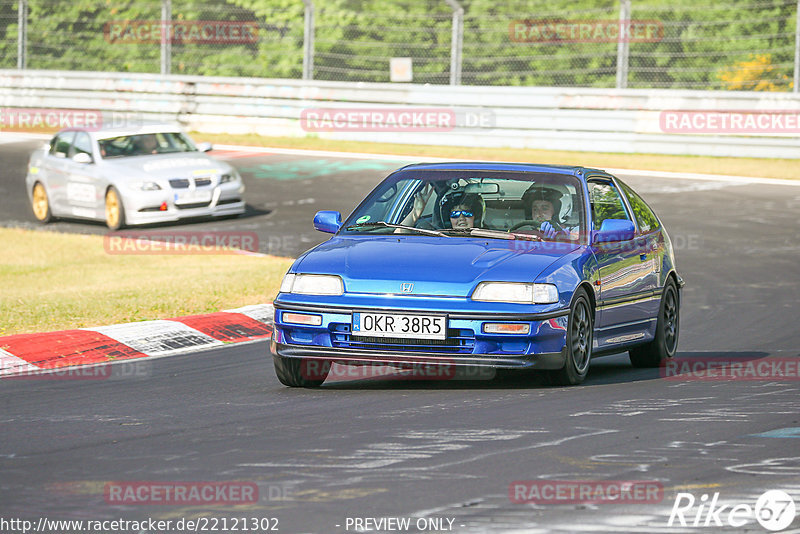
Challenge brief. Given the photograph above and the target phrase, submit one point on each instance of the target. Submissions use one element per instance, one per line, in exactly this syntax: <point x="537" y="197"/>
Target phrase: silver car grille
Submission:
<point x="179" y="183"/>
<point x="184" y="183"/>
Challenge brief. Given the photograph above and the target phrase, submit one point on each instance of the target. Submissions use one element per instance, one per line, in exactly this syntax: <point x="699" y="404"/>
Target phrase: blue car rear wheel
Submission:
<point x="665" y="344"/>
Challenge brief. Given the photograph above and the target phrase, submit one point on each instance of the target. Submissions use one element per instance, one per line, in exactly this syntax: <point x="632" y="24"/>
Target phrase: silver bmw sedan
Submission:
<point x="149" y="174"/>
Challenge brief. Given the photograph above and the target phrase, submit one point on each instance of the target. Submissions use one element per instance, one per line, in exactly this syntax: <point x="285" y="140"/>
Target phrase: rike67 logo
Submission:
<point x="774" y="510"/>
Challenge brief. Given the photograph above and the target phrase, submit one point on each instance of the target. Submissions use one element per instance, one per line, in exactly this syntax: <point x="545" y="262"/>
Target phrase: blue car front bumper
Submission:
<point x="543" y="347"/>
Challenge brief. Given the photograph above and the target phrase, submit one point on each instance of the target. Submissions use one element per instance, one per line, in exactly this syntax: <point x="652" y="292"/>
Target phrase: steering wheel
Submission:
<point x="534" y="224"/>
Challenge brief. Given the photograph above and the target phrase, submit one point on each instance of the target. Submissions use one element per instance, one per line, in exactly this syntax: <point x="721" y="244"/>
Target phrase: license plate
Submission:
<point x="192" y="197"/>
<point x="400" y="325"/>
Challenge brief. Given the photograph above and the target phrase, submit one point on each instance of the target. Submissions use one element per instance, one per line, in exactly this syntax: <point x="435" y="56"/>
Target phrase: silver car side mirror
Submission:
<point x="82" y="157"/>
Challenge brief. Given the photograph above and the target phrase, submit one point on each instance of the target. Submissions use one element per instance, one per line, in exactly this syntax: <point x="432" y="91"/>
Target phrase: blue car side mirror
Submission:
<point x="614" y="230"/>
<point x="328" y="221"/>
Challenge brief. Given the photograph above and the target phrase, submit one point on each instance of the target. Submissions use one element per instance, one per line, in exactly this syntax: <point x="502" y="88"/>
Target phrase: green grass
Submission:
<point x="756" y="167"/>
<point x="54" y="281"/>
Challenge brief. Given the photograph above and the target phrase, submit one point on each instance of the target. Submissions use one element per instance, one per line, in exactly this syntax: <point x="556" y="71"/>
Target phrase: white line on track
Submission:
<point x="410" y="159"/>
<point x="430" y="159"/>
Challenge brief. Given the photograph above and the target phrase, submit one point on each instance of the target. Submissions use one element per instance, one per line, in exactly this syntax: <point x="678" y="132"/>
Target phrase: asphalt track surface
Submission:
<point x="435" y="449"/>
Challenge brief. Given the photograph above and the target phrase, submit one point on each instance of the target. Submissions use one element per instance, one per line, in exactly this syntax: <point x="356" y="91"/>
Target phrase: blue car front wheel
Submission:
<point x="298" y="373"/>
<point x="580" y="331"/>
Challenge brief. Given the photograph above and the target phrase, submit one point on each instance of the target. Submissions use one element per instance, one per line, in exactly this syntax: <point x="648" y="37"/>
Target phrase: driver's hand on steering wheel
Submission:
<point x="547" y="230"/>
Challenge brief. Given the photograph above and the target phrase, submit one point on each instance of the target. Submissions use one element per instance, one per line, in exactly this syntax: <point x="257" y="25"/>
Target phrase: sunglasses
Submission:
<point x="455" y="214"/>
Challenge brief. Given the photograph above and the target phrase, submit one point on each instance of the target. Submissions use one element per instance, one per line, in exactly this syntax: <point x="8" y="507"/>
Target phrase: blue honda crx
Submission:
<point x="487" y="265"/>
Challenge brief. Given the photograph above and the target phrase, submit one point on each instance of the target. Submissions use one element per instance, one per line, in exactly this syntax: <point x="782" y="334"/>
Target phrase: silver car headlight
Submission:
<point x="145" y="186"/>
<point x="229" y="177"/>
<point x="312" y="284"/>
<point x="516" y="292"/>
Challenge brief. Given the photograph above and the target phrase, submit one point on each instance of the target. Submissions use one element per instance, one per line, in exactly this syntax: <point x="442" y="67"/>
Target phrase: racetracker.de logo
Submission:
<point x="332" y="372"/>
<point x="731" y="122"/>
<point x="104" y="371"/>
<point x="722" y="368"/>
<point x="50" y="119"/>
<point x="180" y="493"/>
<point x="378" y="120"/>
<point x="155" y="243"/>
<point x="180" y="32"/>
<point x="585" y="31"/>
<point x="585" y="491"/>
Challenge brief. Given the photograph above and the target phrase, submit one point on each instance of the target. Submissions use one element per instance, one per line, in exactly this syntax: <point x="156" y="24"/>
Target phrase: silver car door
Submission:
<point x="83" y="187"/>
<point x="54" y="163"/>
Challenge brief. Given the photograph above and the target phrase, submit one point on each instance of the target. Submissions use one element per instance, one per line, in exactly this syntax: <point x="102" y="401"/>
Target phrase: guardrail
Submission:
<point x="576" y="119"/>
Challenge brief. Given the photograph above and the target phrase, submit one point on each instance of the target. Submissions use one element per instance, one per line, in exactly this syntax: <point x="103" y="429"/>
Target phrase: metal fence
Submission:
<point x="653" y="121"/>
<point x="682" y="44"/>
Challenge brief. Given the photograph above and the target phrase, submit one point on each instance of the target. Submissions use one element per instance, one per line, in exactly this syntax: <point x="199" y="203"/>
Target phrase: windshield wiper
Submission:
<point x="384" y="224"/>
<point x="491" y="234"/>
<point x="527" y="237"/>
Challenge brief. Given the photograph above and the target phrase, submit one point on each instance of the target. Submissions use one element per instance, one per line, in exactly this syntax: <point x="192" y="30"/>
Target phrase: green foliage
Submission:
<point x="706" y="45"/>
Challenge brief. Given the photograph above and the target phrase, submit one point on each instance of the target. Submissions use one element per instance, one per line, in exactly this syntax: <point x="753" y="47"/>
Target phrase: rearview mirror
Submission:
<point x="614" y="230"/>
<point x="204" y="147"/>
<point x="328" y="221"/>
<point x="82" y="157"/>
<point x="482" y="188"/>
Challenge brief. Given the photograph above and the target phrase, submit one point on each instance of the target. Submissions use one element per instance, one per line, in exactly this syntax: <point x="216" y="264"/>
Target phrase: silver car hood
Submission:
<point x="164" y="166"/>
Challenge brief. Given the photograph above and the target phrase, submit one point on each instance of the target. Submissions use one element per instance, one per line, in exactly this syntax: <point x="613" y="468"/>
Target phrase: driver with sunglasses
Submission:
<point x="466" y="211"/>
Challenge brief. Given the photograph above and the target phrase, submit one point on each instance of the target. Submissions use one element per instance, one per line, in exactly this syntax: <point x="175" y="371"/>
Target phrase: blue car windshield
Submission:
<point x="453" y="202"/>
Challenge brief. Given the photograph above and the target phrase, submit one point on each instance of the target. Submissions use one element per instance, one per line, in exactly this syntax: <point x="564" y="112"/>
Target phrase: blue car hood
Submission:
<point x="434" y="265"/>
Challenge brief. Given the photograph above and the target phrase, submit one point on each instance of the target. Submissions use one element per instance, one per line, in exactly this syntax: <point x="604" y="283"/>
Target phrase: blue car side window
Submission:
<point x="606" y="203"/>
<point x="644" y="215"/>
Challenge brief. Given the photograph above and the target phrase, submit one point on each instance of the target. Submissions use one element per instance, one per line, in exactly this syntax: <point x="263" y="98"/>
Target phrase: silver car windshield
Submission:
<point x="145" y="144"/>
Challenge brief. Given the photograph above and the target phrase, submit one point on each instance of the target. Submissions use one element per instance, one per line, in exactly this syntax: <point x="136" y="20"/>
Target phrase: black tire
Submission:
<point x="40" y="203"/>
<point x="115" y="210"/>
<point x="665" y="344"/>
<point x="294" y="372"/>
<point x="580" y="335"/>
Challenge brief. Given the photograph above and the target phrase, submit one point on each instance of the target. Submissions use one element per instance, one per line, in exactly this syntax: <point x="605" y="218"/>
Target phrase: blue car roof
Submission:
<point x="572" y="170"/>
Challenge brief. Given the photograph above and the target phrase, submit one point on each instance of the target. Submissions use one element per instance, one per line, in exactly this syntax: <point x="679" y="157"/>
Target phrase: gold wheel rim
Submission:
<point x="112" y="208"/>
<point x="40" y="205"/>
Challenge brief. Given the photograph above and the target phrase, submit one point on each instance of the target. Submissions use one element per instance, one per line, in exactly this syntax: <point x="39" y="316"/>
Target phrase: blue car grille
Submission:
<point x="458" y="341"/>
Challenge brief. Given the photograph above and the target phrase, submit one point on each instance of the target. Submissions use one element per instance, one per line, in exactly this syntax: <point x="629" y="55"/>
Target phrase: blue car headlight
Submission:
<point x="516" y="292"/>
<point x="312" y="284"/>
